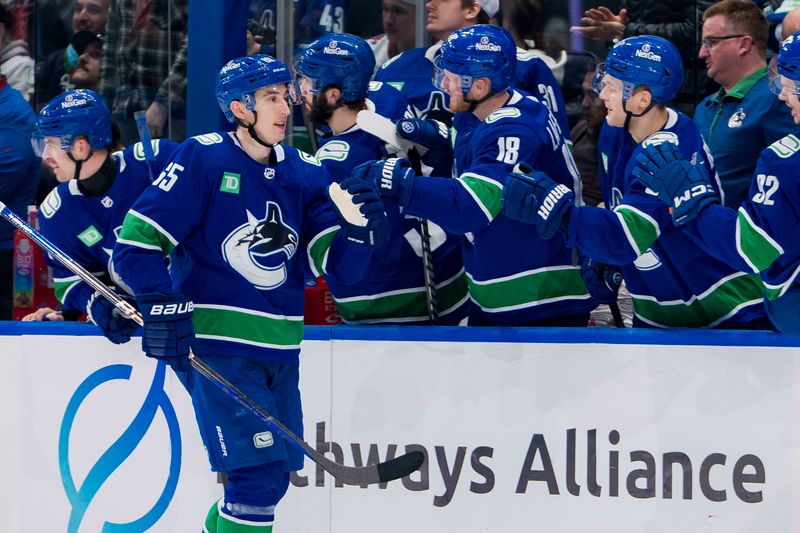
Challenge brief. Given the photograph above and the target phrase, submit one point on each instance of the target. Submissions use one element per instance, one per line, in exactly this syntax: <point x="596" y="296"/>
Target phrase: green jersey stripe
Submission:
<point x="639" y="227"/>
<point x="527" y="289"/>
<point x="718" y="303"/>
<point x="139" y="230"/>
<point x="256" y="329"/>
<point x="487" y="193"/>
<point x="756" y="247"/>
<point x="403" y="305"/>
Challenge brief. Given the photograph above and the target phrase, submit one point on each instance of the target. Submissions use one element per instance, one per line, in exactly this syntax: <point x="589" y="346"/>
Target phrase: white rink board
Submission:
<point x="479" y="409"/>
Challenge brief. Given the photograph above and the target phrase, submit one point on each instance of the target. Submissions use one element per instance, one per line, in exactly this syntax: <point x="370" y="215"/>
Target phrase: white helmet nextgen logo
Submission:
<point x="333" y="49"/>
<point x="647" y="54"/>
<point x="486" y="46"/>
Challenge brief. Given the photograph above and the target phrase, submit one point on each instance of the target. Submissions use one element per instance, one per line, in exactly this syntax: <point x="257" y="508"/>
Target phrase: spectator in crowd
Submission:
<point x="674" y="20"/>
<point x="741" y="119"/>
<point x="53" y="72"/>
<point x="399" y="30"/>
<point x="672" y="281"/>
<point x="19" y="175"/>
<point x="584" y="137"/>
<point x="144" y="66"/>
<point x="16" y="63"/>
<point x="524" y="19"/>
<point x="86" y="72"/>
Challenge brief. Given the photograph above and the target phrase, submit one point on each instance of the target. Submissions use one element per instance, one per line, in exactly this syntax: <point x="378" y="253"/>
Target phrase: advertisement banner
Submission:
<point x="555" y="434"/>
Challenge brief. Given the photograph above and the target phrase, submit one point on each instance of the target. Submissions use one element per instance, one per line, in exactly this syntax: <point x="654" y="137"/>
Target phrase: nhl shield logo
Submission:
<point x="107" y="201"/>
<point x="269" y="173"/>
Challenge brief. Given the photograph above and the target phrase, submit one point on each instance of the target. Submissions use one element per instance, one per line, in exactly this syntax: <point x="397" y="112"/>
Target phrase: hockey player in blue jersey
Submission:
<point x="672" y="281"/>
<point x="411" y="71"/>
<point x="84" y="213"/>
<point x="241" y="214"/>
<point x="334" y="74"/>
<point x="515" y="277"/>
<point x="761" y="236"/>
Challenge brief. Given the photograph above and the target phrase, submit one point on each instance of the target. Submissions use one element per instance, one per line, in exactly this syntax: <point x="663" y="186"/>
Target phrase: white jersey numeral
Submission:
<point x="549" y="97"/>
<point x="508" y="149"/>
<point x="332" y="22"/>
<point x="767" y="186"/>
<point x="168" y="177"/>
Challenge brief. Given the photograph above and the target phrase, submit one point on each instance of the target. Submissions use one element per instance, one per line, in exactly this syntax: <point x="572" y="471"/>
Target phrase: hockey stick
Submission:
<point x="378" y="473"/>
<point x="384" y="129"/>
<point x="147" y="144"/>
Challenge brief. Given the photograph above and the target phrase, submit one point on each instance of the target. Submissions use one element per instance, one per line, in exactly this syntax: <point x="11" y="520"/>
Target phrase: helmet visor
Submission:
<point x="778" y="83"/>
<point x="444" y="79"/>
<point x="40" y="143"/>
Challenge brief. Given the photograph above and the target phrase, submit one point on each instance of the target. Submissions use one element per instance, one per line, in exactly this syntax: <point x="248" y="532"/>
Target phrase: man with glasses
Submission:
<point x="741" y="119"/>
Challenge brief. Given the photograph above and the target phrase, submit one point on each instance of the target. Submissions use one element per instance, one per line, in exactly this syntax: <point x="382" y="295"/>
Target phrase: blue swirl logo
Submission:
<point x="118" y="452"/>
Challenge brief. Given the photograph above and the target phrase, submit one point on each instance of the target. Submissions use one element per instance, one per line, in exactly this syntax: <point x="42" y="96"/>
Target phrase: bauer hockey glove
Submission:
<point x="393" y="178"/>
<point x="601" y="280"/>
<point x="116" y="327"/>
<point x="532" y="197"/>
<point x="168" y="328"/>
<point x="360" y="209"/>
<point x="683" y="186"/>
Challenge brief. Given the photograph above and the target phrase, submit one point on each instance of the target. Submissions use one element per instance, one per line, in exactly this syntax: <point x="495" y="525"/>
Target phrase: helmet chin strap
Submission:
<point x="475" y="103"/>
<point x="251" y="129"/>
<point x="630" y="114"/>
<point x="79" y="162"/>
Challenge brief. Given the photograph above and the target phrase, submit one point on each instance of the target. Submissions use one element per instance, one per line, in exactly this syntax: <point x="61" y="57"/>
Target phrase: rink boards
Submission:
<point x="524" y="430"/>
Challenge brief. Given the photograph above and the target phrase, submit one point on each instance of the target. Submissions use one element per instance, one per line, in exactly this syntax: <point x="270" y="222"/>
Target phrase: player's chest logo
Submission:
<point x="737" y="119"/>
<point x="107" y="201"/>
<point x="269" y="173"/>
<point x="260" y="248"/>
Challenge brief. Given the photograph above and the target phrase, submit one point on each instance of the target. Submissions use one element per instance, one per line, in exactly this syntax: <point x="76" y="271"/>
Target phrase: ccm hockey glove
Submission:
<point x="116" y="327"/>
<point x="360" y="209"/>
<point x="168" y="328"/>
<point x="532" y="197"/>
<point x="681" y="185"/>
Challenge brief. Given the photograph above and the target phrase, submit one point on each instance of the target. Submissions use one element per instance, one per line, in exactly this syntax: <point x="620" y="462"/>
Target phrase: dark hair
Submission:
<point x="745" y="17"/>
<point x="6" y="19"/>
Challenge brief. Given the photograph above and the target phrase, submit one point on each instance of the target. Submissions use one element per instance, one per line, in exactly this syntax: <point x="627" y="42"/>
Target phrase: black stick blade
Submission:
<point x="400" y="466"/>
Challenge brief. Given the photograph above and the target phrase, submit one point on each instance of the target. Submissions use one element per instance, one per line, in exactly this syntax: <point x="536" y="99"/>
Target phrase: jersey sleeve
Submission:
<point x="475" y="198"/>
<point x="750" y="238"/>
<point x="165" y="214"/>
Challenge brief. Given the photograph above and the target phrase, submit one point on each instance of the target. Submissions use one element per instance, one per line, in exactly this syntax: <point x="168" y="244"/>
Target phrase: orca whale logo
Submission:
<point x="260" y="248"/>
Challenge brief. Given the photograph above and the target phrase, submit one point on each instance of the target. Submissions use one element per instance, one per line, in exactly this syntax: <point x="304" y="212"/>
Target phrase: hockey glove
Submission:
<point x="116" y="327"/>
<point x="601" y="280"/>
<point x="393" y="178"/>
<point x="532" y="197"/>
<point x="683" y="186"/>
<point x="361" y="215"/>
<point x="168" y="328"/>
<point x="434" y="139"/>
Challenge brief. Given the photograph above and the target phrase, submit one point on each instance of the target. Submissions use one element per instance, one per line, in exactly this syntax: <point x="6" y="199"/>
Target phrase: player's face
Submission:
<point x="451" y="84"/>
<point x="445" y="17"/>
<point x="57" y="159"/>
<point x="399" y="21"/>
<point x="789" y="96"/>
<point x="611" y="95"/>
<point x="273" y="111"/>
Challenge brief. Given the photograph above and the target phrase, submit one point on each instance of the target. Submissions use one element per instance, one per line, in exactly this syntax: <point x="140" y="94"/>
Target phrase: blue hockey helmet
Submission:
<point x="240" y="78"/>
<point x="786" y="66"/>
<point x="72" y="114"/>
<point x="644" y="61"/>
<point x="341" y="60"/>
<point x="479" y="51"/>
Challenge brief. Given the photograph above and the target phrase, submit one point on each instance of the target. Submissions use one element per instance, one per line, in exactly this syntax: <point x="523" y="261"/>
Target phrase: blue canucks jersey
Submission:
<point x="86" y="227"/>
<point x="411" y="72"/>
<point x="514" y="276"/>
<point x="673" y="282"/>
<point x="762" y="235"/>
<point x="239" y="232"/>
<point x="393" y="287"/>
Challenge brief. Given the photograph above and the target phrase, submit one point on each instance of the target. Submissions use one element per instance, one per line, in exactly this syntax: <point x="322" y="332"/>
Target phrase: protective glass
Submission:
<point x="778" y="83"/>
